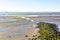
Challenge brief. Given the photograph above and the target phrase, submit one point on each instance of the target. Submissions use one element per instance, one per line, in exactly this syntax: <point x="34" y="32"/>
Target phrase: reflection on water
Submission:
<point x="2" y="28"/>
<point x="9" y="19"/>
<point x="21" y="22"/>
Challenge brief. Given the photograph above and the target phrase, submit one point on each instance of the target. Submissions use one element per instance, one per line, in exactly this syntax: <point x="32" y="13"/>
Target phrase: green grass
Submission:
<point x="48" y="31"/>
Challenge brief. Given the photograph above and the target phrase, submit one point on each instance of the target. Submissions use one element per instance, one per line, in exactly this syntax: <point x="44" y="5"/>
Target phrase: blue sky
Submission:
<point x="30" y="5"/>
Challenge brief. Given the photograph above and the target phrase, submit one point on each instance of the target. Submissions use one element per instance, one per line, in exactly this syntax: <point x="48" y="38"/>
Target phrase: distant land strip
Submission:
<point x="29" y="15"/>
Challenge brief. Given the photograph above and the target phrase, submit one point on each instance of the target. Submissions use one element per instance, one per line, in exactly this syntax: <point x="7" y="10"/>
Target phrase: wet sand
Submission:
<point x="9" y="31"/>
<point x="5" y="35"/>
<point x="18" y="31"/>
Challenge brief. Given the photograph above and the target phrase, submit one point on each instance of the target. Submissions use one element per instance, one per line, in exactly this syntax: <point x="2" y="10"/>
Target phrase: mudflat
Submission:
<point x="17" y="28"/>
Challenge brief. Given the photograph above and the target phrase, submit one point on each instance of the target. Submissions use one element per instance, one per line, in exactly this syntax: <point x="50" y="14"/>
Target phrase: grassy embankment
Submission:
<point x="47" y="31"/>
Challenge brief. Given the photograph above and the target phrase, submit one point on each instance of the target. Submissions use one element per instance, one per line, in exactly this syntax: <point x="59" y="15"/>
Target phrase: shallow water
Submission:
<point x="13" y="32"/>
<point x="9" y="19"/>
<point x="19" y="30"/>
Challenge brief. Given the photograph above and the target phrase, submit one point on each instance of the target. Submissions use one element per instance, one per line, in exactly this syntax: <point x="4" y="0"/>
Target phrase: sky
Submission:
<point x="30" y="5"/>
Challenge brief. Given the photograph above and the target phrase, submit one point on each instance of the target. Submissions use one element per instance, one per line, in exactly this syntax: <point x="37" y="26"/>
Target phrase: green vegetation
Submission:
<point x="48" y="31"/>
